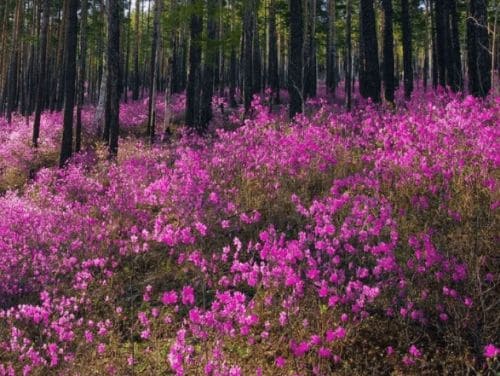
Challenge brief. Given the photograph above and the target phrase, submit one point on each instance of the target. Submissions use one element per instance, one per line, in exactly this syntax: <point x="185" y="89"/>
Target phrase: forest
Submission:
<point x="249" y="187"/>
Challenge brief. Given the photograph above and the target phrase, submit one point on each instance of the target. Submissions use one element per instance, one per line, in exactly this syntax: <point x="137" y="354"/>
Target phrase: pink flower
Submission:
<point x="89" y="337"/>
<point x="491" y="351"/>
<point x="280" y="362"/>
<point x="169" y="297"/>
<point x="101" y="348"/>
<point x="324" y="352"/>
<point x="415" y="351"/>
<point x="187" y="295"/>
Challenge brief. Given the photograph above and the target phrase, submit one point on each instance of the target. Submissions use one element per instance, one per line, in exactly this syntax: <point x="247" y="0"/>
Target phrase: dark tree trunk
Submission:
<point x="273" y="54"/>
<point x="153" y="72"/>
<point x="455" y="64"/>
<point x="41" y="88"/>
<point x="127" y="54"/>
<point x="81" y="75"/>
<point x="369" y="66"/>
<point x="209" y="68"/>
<point x="114" y="79"/>
<point x="12" y="77"/>
<point x="331" y="53"/>
<point x="407" y="49"/>
<point x="427" y="46"/>
<point x="348" y="42"/>
<point x="296" y="58"/>
<point x="248" y="54"/>
<point x="70" y="43"/>
<point x="478" y="59"/>
<point x="232" y="79"/>
<point x="193" y="85"/>
<point x="257" y="60"/>
<point x="388" y="51"/>
<point x="441" y="37"/>
<point x="135" y="91"/>
<point x="310" y="77"/>
<point x="435" y="64"/>
<point x="60" y="73"/>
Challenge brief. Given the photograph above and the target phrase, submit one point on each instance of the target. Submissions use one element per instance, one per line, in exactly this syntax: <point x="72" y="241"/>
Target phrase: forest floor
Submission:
<point x="349" y="243"/>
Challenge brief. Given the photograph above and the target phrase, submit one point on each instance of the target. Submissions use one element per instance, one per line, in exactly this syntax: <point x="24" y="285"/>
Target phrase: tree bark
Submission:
<point x="209" y="68"/>
<point x="478" y="59"/>
<point x="114" y="79"/>
<point x="193" y="85"/>
<point x="153" y="72"/>
<point x="70" y="44"/>
<point x="388" y="51"/>
<point x="407" y="49"/>
<point x="41" y="88"/>
<point x="331" y="54"/>
<point x="369" y="65"/>
<point x="81" y="74"/>
<point x="135" y="91"/>
<point x="348" y="73"/>
<point x="455" y="65"/>
<point x="248" y="54"/>
<point x="273" y="54"/>
<point x="296" y="58"/>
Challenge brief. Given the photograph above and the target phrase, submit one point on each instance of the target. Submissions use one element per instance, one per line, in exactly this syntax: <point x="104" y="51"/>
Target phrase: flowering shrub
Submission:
<point x="336" y="243"/>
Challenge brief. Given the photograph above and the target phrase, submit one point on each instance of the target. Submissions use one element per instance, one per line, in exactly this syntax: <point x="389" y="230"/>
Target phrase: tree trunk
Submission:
<point x="296" y="58"/>
<point x="348" y="42"/>
<point x="331" y="53"/>
<point x="135" y="91"/>
<point x="407" y="49"/>
<point x="273" y="54"/>
<point x="310" y="77"/>
<point x="81" y="74"/>
<point x="455" y="65"/>
<point x="114" y="79"/>
<point x="12" y="76"/>
<point x="478" y="60"/>
<point x="441" y="37"/>
<point x="209" y="68"/>
<point x="256" y="53"/>
<point x="153" y="72"/>
<point x="388" y="51"/>
<point x="41" y="88"/>
<point x="70" y="42"/>
<point x="369" y="65"/>
<point x="193" y="85"/>
<point x="248" y="54"/>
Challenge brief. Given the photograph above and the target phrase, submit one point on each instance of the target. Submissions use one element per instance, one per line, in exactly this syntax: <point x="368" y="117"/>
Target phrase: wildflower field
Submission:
<point x="347" y="243"/>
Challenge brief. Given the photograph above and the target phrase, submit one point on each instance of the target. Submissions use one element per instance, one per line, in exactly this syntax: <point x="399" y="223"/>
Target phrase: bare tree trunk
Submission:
<point x="369" y="66"/>
<point x="70" y="43"/>
<point x="42" y="68"/>
<point x="331" y="54"/>
<point x="273" y="54"/>
<point x="209" y="66"/>
<point x="348" y="75"/>
<point x="296" y="58"/>
<point x="154" y="70"/>
<point x="407" y="49"/>
<point x="114" y="79"/>
<point x="248" y="54"/>
<point x="135" y="91"/>
<point x="193" y="86"/>
<point x="81" y="75"/>
<point x="388" y="51"/>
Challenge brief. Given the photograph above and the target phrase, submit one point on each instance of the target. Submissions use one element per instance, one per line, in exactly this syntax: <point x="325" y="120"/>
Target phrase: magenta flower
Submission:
<point x="491" y="351"/>
<point x="169" y="297"/>
<point x="280" y="362"/>
<point x="187" y="295"/>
